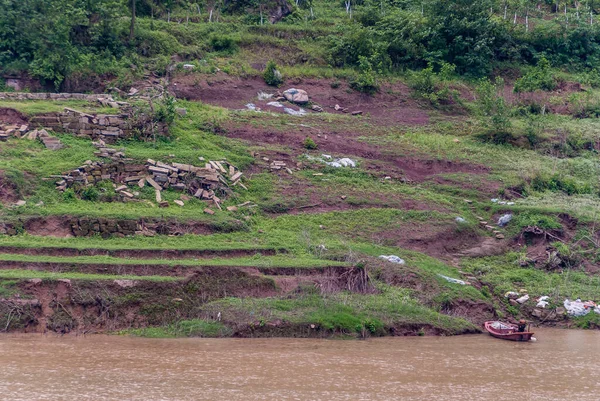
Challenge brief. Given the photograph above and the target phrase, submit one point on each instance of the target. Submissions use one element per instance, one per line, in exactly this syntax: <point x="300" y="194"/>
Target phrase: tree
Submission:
<point x="132" y="26"/>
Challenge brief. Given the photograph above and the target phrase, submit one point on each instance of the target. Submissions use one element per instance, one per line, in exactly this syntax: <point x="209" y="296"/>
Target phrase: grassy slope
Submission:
<point x="349" y="234"/>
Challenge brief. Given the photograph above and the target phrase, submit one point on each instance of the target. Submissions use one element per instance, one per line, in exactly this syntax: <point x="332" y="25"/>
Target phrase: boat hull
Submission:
<point x="509" y="332"/>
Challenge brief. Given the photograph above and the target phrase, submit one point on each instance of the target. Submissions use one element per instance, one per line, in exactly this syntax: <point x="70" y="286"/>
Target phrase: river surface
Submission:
<point x="561" y="365"/>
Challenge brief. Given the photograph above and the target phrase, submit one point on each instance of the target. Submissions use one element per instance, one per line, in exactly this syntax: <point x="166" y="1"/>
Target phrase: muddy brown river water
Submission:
<point x="561" y="365"/>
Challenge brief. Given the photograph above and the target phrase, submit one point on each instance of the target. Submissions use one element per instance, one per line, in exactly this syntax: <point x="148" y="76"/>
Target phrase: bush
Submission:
<point x="539" y="78"/>
<point x="272" y="75"/>
<point x="365" y="81"/>
<point x="153" y="43"/>
<point x="494" y="112"/>
<point x="433" y="86"/>
<point x="90" y="194"/>
<point x="223" y="43"/>
<point x="558" y="183"/>
<point x="310" y="144"/>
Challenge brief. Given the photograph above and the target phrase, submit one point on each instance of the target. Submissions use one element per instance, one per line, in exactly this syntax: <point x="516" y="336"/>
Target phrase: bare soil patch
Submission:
<point x="392" y="105"/>
<point x="139" y="253"/>
<point x="10" y="116"/>
<point x="8" y="190"/>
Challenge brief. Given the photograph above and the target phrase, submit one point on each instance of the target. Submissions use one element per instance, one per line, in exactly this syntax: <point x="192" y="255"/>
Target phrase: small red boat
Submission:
<point x="507" y="331"/>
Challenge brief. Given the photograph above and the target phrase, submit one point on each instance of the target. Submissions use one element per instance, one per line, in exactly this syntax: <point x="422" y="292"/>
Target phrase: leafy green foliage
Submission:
<point x="310" y="144"/>
<point x="433" y="86"/>
<point x="559" y="183"/>
<point x="538" y="78"/>
<point x="494" y="112"/>
<point x="272" y="75"/>
<point x="365" y="81"/>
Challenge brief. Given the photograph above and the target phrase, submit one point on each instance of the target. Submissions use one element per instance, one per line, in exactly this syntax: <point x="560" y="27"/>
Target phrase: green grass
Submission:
<point x="34" y="107"/>
<point x="183" y="328"/>
<point x="19" y="274"/>
<point x="503" y="274"/>
<point x="253" y="261"/>
<point x="343" y="313"/>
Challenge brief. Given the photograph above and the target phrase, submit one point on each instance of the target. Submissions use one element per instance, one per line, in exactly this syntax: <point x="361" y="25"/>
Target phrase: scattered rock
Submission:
<point x="209" y="211"/>
<point x="20" y="203"/>
<point x="163" y="204"/>
<point x="178" y="202"/>
<point x="181" y="111"/>
<point x="125" y="283"/>
<point x="232" y="208"/>
<point x="188" y="67"/>
<point x="317" y="108"/>
<point x="294" y="95"/>
<point x="356" y="113"/>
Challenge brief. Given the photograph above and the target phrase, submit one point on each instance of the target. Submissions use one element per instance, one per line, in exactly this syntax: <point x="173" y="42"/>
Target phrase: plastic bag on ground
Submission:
<point x="452" y="280"/>
<point x="393" y="259"/>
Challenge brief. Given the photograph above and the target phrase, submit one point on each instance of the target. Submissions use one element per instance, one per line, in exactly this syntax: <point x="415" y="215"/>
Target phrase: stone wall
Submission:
<point x="108" y="128"/>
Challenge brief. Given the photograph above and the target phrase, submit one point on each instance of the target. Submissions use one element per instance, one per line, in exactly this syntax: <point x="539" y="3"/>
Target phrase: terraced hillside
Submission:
<point x="477" y="189"/>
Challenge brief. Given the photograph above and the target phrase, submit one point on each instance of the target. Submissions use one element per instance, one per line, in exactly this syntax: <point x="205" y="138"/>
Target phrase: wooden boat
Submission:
<point x="507" y="331"/>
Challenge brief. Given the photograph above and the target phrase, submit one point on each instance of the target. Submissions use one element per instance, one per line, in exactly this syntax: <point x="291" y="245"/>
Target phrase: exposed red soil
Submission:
<point x="140" y="253"/>
<point x="375" y="161"/>
<point x="11" y="116"/>
<point x="163" y="270"/>
<point x="477" y="312"/>
<point x="53" y="226"/>
<point x="486" y="246"/>
<point x="8" y="190"/>
<point x="560" y="103"/>
<point x="60" y="226"/>
<point x="102" y="306"/>
<point x="391" y="106"/>
<point x="434" y="240"/>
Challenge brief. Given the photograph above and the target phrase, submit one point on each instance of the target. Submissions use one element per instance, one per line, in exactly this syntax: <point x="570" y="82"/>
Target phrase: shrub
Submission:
<point x="494" y="112"/>
<point x="223" y="43"/>
<point x="558" y="183"/>
<point x="90" y="194"/>
<point x="365" y="81"/>
<point x="310" y="144"/>
<point x="433" y="86"/>
<point x="272" y="75"/>
<point x="539" y="78"/>
<point x="165" y="112"/>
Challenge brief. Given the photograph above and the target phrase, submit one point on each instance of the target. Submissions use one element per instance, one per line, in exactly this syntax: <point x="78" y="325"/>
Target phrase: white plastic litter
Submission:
<point x="264" y="96"/>
<point x="275" y="104"/>
<point x="252" y="106"/>
<point x="523" y="299"/>
<point x="504" y="220"/>
<point x="542" y="302"/>
<point x="292" y="112"/>
<point x="578" y="308"/>
<point x="343" y="162"/>
<point x="510" y="204"/>
<point x="393" y="259"/>
<point x="460" y="220"/>
<point x="324" y="156"/>
<point x="494" y="200"/>
<point x="452" y="280"/>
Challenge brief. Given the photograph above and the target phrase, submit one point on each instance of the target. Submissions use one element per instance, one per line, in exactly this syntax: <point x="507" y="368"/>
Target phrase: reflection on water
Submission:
<point x="562" y="365"/>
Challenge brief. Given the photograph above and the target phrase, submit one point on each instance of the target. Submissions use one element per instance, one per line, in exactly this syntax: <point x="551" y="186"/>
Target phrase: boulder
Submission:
<point x="296" y="96"/>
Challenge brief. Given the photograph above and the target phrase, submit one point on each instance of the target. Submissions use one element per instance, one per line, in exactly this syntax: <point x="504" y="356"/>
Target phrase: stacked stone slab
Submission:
<point x="206" y="183"/>
<point x="108" y="128"/>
